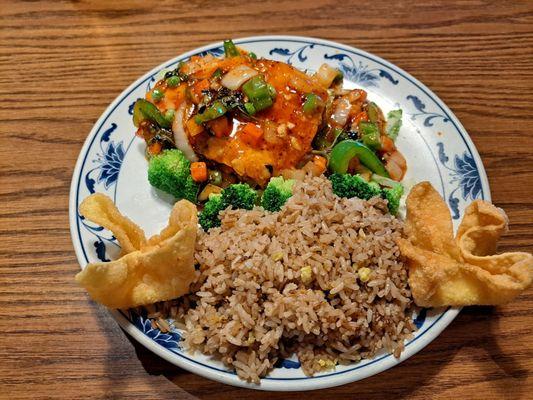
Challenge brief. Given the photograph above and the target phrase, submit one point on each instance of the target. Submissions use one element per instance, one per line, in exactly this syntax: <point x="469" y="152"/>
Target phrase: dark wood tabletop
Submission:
<point x="62" y="62"/>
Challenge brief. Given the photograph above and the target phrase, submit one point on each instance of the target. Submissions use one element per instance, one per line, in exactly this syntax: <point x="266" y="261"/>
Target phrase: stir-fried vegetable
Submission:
<point x="199" y="171"/>
<point x="373" y="112"/>
<point x="215" y="110"/>
<point x="344" y="151"/>
<point x="144" y="110"/>
<point x="173" y="81"/>
<point x="230" y="50"/>
<point x="237" y="76"/>
<point x="312" y="103"/>
<point x="260" y="94"/>
<point x="369" y="133"/>
<point x="170" y="172"/>
<point x="394" y="123"/>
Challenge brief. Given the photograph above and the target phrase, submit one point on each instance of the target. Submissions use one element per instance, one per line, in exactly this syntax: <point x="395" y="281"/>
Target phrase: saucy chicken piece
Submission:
<point x="287" y="132"/>
<point x="254" y="146"/>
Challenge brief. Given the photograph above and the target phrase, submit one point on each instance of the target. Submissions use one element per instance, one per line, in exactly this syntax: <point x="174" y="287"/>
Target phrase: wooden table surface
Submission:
<point x="63" y="62"/>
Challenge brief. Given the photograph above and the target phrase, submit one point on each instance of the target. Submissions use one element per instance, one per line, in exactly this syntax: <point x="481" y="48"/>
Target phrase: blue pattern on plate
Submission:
<point x="103" y="176"/>
<point x="170" y="340"/>
<point x="215" y="51"/>
<point x="421" y="107"/>
<point x="108" y="161"/>
<point x="465" y="175"/>
<point x="359" y="72"/>
<point x="285" y="363"/>
<point x="420" y="318"/>
<point x="300" y="53"/>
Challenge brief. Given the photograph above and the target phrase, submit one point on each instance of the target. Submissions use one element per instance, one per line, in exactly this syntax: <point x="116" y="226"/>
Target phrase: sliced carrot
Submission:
<point x="251" y="133"/>
<point x="320" y="164"/>
<point x="220" y="126"/>
<point x="193" y="128"/>
<point x="199" y="171"/>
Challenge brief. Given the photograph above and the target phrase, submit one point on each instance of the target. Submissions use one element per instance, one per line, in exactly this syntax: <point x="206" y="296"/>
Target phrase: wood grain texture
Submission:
<point x="63" y="62"/>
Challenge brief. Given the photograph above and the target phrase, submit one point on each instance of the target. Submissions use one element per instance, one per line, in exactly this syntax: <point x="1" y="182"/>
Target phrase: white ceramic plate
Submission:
<point x="434" y="142"/>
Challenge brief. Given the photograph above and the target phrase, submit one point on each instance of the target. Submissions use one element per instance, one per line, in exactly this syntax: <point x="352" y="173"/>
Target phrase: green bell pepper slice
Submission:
<point x="370" y="135"/>
<point x="144" y="110"/>
<point x="344" y="151"/>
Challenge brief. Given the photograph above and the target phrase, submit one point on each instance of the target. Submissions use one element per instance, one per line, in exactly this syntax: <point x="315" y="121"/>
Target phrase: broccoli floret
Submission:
<point x="208" y="218"/>
<point x="237" y="196"/>
<point x="393" y="196"/>
<point x="346" y="185"/>
<point x="276" y="193"/>
<point x="170" y="172"/>
<point x="240" y="195"/>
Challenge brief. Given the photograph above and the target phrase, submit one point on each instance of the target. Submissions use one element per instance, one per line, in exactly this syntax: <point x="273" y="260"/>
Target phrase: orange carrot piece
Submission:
<point x="193" y="128"/>
<point x="320" y="163"/>
<point x="251" y="133"/>
<point x="155" y="148"/>
<point x="220" y="126"/>
<point x="199" y="171"/>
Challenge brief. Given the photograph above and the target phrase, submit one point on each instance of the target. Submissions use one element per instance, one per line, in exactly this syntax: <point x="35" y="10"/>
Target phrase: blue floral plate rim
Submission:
<point x="372" y="367"/>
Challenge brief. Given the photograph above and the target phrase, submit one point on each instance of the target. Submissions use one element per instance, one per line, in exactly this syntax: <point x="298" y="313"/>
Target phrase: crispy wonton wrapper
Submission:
<point x="444" y="271"/>
<point x="160" y="268"/>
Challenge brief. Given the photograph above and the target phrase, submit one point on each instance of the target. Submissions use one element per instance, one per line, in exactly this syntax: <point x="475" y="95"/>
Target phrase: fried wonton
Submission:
<point x="158" y="269"/>
<point x="460" y="271"/>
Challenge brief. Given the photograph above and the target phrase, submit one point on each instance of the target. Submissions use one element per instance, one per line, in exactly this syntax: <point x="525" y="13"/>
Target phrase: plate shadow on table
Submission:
<point x="419" y="375"/>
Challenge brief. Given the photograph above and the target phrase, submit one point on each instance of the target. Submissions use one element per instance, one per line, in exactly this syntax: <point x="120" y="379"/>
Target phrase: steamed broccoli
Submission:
<point x="237" y="196"/>
<point x="170" y="172"/>
<point x="240" y="195"/>
<point x="208" y="218"/>
<point x="393" y="195"/>
<point x="346" y="185"/>
<point x="276" y="193"/>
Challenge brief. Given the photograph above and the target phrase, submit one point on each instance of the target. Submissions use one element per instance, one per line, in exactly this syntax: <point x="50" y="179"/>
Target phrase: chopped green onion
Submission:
<point x="339" y="77"/>
<point x="173" y="81"/>
<point x="230" y="50"/>
<point x="252" y="55"/>
<point x="370" y="136"/>
<point x="312" y="103"/>
<point x="157" y="95"/>
<point x="394" y="123"/>
<point x="259" y="93"/>
<point x="217" y="109"/>
<point x="250" y="109"/>
<point x="217" y="73"/>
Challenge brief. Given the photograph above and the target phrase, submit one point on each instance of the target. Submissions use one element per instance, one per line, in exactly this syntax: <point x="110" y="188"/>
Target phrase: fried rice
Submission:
<point x="322" y="279"/>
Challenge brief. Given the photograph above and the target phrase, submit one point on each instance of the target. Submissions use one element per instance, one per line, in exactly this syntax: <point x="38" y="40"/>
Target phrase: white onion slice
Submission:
<point x="341" y="112"/>
<point x="237" y="76"/>
<point x="326" y="75"/>
<point x="180" y="136"/>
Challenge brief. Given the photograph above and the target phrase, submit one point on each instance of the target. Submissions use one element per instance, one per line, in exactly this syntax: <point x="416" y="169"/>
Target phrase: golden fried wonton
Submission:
<point x="161" y="268"/>
<point x="444" y="271"/>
